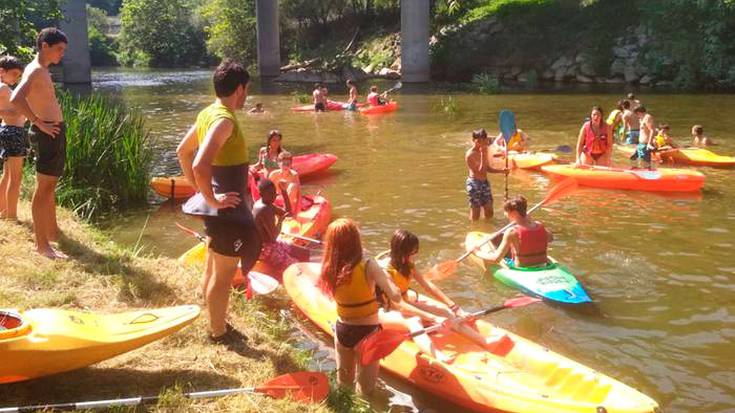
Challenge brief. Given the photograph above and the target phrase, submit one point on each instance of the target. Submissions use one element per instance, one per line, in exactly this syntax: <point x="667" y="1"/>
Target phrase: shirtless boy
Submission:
<point x="632" y="124"/>
<point x="320" y="100"/>
<point x="352" y="101"/>
<point x="35" y="99"/>
<point x="647" y="137"/>
<point x="698" y="138"/>
<point x="13" y="139"/>
<point x="477" y="185"/>
<point x="287" y="181"/>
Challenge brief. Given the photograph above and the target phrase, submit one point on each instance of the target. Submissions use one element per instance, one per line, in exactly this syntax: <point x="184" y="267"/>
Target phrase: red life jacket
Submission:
<point x="373" y="99"/>
<point x="532" y="245"/>
<point x="595" y="144"/>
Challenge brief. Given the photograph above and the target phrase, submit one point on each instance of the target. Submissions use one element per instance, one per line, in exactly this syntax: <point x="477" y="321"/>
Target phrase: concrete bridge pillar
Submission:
<point x="415" y="20"/>
<point x="269" y="47"/>
<point x="76" y="62"/>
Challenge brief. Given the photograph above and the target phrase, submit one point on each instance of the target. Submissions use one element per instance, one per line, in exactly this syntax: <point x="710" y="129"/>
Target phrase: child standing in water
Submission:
<point x="352" y="101"/>
<point x="478" y="187"/>
<point x="14" y="144"/>
<point x="698" y="138"/>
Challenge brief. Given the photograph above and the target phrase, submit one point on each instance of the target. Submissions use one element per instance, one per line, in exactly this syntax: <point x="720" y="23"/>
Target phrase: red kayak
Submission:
<point x="376" y="110"/>
<point x="306" y="165"/>
<point x="331" y="106"/>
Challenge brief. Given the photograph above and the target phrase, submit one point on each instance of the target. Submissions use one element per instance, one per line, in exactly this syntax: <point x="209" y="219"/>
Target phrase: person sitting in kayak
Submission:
<point x="376" y="99"/>
<point x="477" y="185"/>
<point x="257" y="109"/>
<point x="404" y="246"/>
<point x="663" y="140"/>
<point x="287" y="180"/>
<point x="276" y="253"/>
<point x="698" y="138"/>
<point x="517" y="142"/>
<point x="593" y="145"/>
<point x="268" y="154"/>
<point x="526" y="241"/>
<point x="615" y="122"/>
<point x="320" y="100"/>
<point x="352" y="101"/>
<point x="351" y="279"/>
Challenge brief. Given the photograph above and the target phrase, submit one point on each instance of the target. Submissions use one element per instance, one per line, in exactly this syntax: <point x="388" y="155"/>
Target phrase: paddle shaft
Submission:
<point x="315" y="241"/>
<point x="134" y="401"/>
<point x="459" y="320"/>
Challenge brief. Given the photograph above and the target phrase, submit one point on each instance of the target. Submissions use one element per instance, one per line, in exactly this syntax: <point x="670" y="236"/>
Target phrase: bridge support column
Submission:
<point x="76" y="62"/>
<point x="415" y="41"/>
<point x="269" y="48"/>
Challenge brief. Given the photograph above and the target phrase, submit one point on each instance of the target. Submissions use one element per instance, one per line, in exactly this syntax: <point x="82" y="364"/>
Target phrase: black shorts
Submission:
<point x="13" y="142"/>
<point x="234" y="239"/>
<point x="349" y="335"/>
<point x="320" y="107"/>
<point x="50" y="152"/>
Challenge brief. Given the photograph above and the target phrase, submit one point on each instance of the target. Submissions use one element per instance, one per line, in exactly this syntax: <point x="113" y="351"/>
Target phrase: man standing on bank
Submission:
<point x="35" y="98"/>
<point x="214" y="157"/>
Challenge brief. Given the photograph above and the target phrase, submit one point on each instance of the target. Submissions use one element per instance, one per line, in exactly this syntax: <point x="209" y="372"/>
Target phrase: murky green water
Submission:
<point x="661" y="269"/>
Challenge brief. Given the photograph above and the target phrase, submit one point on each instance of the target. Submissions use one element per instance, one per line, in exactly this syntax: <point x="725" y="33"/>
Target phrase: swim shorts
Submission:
<point x="280" y="255"/>
<point x="320" y="107"/>
<point x="352" y="106"/>
<point x="642" y="152"/>
<point x="234" y="239"/>
<point x="478" y="192"/>
<point x="50" y="152"/>
<point x="631" y="137"/>
<point x="13" y="142"/>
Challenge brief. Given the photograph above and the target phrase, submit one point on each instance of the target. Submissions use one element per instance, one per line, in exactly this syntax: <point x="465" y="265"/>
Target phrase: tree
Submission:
<point x="230" y="26"/>
<point x="111" y="7"/>
<point x="160" y="33"/>
<point x="19" y="23"/>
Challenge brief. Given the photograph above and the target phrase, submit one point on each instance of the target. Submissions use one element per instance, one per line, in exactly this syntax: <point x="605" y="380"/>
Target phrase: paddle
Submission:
<point x="304" y="386"/>
<point x="261" y="284"/>
<point x="447" y="268"/>
<point x="382" y="343"/>
<point x="507" y="122"/>
<point x="560" y="148"/>
<point x="393" y="89"/>
<point x="297" y="236"/>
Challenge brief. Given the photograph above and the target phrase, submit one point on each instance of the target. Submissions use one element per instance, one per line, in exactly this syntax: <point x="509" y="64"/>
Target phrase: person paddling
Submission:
<point x="376" y="99"/>
<point x="351" y="279"/>
<point x="526" y="241"/>
<point x="593" y="145"/>
<point x="410" y="312"/>
<point x="214" y="158"/>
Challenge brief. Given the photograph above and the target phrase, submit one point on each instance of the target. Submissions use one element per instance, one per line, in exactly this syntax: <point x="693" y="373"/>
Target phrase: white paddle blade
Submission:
<point x="262" y="284"/>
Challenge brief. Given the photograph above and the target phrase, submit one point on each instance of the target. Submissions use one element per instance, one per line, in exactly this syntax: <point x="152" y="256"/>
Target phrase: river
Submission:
<point x="659" y="268"/>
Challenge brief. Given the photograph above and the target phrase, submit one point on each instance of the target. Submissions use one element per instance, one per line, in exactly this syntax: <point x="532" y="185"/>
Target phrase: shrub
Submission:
<point x="486" y="83"/>
<point x="230" y="26"/>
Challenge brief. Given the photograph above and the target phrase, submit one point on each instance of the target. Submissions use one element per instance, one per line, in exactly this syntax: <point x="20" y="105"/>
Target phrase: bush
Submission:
<point x="101" y="48"/>
<point x="19" y="20"/>
<point x="108" y="156"/>
<point x="486" y="83"/>
<point x="160" y="33"/>
<point x="230" y="26"/>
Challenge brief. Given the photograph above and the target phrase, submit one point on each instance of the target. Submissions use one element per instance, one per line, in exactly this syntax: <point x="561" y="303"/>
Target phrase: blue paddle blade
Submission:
<point x="507" y="121"/>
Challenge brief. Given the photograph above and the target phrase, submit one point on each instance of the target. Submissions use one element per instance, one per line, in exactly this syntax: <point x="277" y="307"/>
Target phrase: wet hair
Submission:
<point x="402" y="244"/>
<point x="631" y="96"/>
<point x="272" y="134"/>
<point x="626" y="104"/>
<point x="50" y="36"/>
<point x="10" y="63"/>
<point x="698" y="129"/>
<point x="640" y="109"/>
<point x="664" y="126"/>
<point x="479" y="134"/>
<point x="228" y="76"/>
<point x="518" y="204"/>
<point x="258" y="105"/>
<point x="284" y="155"/>
<point x="373" y="88"/>
<point x="342" y="253"/>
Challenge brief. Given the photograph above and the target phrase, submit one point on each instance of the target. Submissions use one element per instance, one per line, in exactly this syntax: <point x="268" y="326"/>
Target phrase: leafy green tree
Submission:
<point x="230" y="26"/>
<point x="111" y="7"/>
<point x="19" y="23"/>
<point x="160" y="33"/>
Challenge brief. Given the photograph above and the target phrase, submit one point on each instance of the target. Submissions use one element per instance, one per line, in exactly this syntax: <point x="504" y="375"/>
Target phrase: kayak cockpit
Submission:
<point x="12" y="325"/>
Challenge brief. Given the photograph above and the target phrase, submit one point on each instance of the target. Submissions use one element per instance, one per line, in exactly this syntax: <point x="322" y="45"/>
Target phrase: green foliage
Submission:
<point x="230" y="28"/>
<point x="447" y="105"/>
<point x="108" y="156"/>
<point x="102" y="49"/>
<point x="345" y="399"/>
<point x="160" y="33"/>
<point x="111" y="7"/>
<point x="301" y="97"/>
<point x="486" y="83"/>
<point x="19" y="23"/>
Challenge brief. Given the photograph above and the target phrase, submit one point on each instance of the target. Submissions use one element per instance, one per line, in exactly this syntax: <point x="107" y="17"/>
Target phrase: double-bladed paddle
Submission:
<point x="304" y="386"/>
<point x="382" y="343"/>
<point x="447" y="268"/>
<point x="507" y="122"/>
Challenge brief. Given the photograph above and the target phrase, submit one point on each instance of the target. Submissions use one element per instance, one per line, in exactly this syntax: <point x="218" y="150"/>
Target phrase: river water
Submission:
<point x="660" y="268"/>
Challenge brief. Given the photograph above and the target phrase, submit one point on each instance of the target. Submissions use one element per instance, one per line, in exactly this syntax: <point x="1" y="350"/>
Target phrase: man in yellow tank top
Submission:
<point x="214" y="158"/>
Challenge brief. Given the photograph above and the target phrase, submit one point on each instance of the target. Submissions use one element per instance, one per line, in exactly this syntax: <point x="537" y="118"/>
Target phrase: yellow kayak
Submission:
<point x="529" y="378"/>
<point x="42" y="342"/>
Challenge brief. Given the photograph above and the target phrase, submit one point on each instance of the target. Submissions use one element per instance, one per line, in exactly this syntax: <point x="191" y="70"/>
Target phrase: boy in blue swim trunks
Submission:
<point x="477" y="185"/>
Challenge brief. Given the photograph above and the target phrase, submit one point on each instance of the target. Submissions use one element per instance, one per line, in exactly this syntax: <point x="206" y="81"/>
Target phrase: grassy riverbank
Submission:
<point x="103" y="277"/>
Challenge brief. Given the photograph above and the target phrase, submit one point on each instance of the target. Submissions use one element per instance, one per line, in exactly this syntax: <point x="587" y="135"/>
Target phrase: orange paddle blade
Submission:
<point x="520" y="301"/>
<point x="379" y="345"/>
<point x="303" y="386"/>
<point x="442" y="270"/>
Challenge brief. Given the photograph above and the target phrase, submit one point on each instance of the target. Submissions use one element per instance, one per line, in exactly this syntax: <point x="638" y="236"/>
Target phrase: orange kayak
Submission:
<point x="311" y="222"/>
<point x="689" y="156"/>
<point x="658" y="180"/>
<point x="306" y="165"/>
<point x="376" y="110"/>
<point x="42" y="342"/>
<point x="523" y="160"/>
<point x="530" y="378"/>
